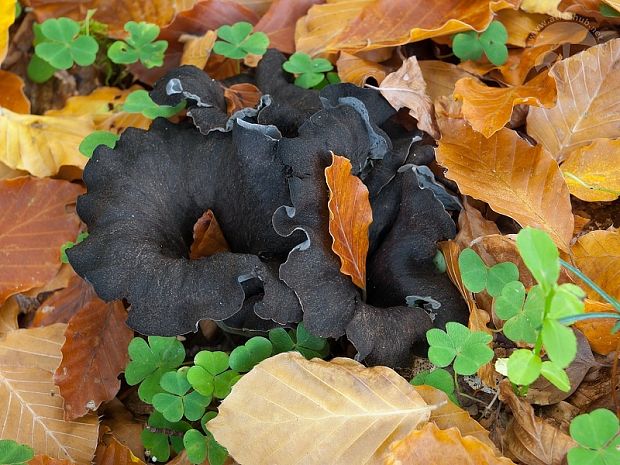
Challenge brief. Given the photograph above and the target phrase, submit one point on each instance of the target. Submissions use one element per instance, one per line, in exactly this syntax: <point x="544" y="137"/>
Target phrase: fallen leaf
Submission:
<point x="406" y="88"/>
<point x="62" y="305"/>
<point x="351" y="411"/>
<point x="488" y="109"/>
<point x="514" y="178"/>
<point x="440" y="77"/>
<point x="357" y="71"/>
<point x="596" y="390"/>
<point x="208" y="237"/>
<point x="47" y="460"/>
<point x="197" y="49"/>
<point x="12" y="93"/>
<point x="9" y="311"/>
<point x="112" y="452"/>
<point x="548" y="7"/>
<point x="94" y="354"/>
<point x="587" y="84"/>
<point x="473" y="225"/>
<point x="597" y="255"/>
<point x="431" y="445"/>
<point x="240" y="96"/>
<point x="350" y="216"/>
<point x="592" y="172"/>
<point x="7" y="17"/>
<point x="519" y="25"/>
<point x="529" y="438"/>
<point x="36" y="347"/>
<point x="598" y="331"/>
<point x="35" y="224"/>
<point x="126" y="429"/>
<point x="9" y="173"/>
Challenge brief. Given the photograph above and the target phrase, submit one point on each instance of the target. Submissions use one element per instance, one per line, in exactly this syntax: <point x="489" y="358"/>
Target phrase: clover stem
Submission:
<point x="569" y="320"/>
<point x="591" y="283"/>
<point x="548" y="300"/>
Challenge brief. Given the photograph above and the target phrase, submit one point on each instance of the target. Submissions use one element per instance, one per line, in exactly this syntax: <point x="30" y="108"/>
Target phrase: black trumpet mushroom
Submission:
<point x="261" y="171"/>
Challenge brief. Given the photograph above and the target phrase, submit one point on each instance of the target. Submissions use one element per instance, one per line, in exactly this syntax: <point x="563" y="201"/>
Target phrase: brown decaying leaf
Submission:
<point x="406" y="88"/>
<point x="588" y="86"/>
<point x="12" y="93"/>
<point x="597" y="255"/>
<point x="440" y="77"/>
<point x="530" y="439"/>
<point x="336" y="412"/>
<point x="197" y="49"/>
<point x="488" y="109"/>
<point x="9" y="311"/>
<point x="598" y="331"/>
<point x="356" y="70"/>
<point x="94" y="354"/>
<point x="38" y="347"/>
<point x="46" y="460"/>
<point x="34" y="225"/>
<point x="126" y="429"/>
<point x="111" y="452"/>
<point x="350" y="216"/>
<point x="592" y="172"/>
<point x="208" y="237"/>
<point x="431" y="445"/>
<point x="473" y="225"/>
<point x="240" y="96"/>
<point x="514" y="178"/>
<point x="62" y="305"/>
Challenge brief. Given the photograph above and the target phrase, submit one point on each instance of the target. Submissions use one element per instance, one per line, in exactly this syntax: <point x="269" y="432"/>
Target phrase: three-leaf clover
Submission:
<point x="492" y="42"/>
<point x="477" y="276"/>
<point x="540" y="255"/>
<point x="67" y="245"/>
<point x="524" y="367"/>
<point x="177" y="401"/>
<point x="217" y="454"/>
<point x="95" y="139"/>
<point x="63" y="44"/>
<point x="140" y="45"/>
<point x="139" y="101"/>
<point x="195" y="446"/>
<point x="598" y="436"/>
<point x="308" y="71"/>
<point x="468" y="349"/>
<point x="238" y="41"/>
<point x="13" y="453"/>
<point x="440" y="379"/>
<point x="210" y="375"/>
<point x="523" y="316"/>
<point x="255" y="350"/>
<point x="157" y="442"/>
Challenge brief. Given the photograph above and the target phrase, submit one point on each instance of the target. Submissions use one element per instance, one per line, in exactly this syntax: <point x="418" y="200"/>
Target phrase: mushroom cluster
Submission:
<point x="262" y="173"/>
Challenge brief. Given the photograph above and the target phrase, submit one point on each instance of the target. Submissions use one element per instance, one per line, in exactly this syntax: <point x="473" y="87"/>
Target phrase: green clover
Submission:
<point x="598" y="437"/>
<point x="309" y="71"/>
<point x="195" y="446"/>
<point x="210" y="375"/>
<point x="468" y="349"/>
<point x="244" y="358"/>
<point x="95" y="139"/>
<point x="140" y="45"/>
<point x="177" y="401"/>
<point x="560" y="342"/>
<point x="440" y="379"/>
<point x="157" y="443"/>
<point x="13" y="453"/>
<point x="217" y="454"/>
<point x="492" y="42"/>
<point x="567" y="301"/>
<point x="477" y="276"/>
<point x="238" y="41"/>
<point x="139" y="101"/>
<point x="63" y="44"/>
<point x="524" y="367"/>
<point x="523" y="316"/>
<point x="67" y="245"/>
<point x="301" y="340"/>
<point x="540" y="255"/>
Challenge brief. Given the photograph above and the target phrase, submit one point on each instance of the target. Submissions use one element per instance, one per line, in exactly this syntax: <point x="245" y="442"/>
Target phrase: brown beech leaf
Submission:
<point x="9" y="311"/>
<point x="598" y="331"/>
<point x="587" y="85"/>
<point x="34" y="225"/>
<point x="126" y="429"/>
<point x="440" y="77"/>
<point x="12" y="93"/>
<point x="597" y="255"/>
<point x="592" y="172"/>
<point x="240" y="96"/>
<point x="350" y="411"/>
<point x="406" y="88"/>
<point x="47" y="460"/>
<point x="442" y="447"/>
<point x="111" y="452"/>
<point x="514" y="178"/>
<point x="529" y="438"/>
<point x="208" y="237"/>
<point x="350" y="216"/>
<point x="356" y="70"/>
<point x="94" y="354"/>
<point x="548" y="7"/>
<point x="197" y="49"/>
<point x="488" y="109"/>
<point x="473" y="225"/>
<point x="519" y="25"/>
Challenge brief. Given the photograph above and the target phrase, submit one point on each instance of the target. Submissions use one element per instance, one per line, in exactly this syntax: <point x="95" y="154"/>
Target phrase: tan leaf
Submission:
<point x="259" y="7"/>
<point x="7" y="16"/>
<point x="598" y="331"/>
<point x="587" y="85"/>
<point x="529" y="438"/>
<point x="62" y="305"/>
<point x="350" y="216"/>
<point x="240" y="96"/>
<point x="46" y="460"/>
<point x="592" y="172"/>
<point x="197" y="49"/>
<point x="12" y="93"/>
<point x="9" y="173"/>
<point x="514" y="178"/>
<point x="9" y="311"/>
<point x="121" y="422"/>
<point x="488" y="109"/>
<point x="208" y="237"/>
<point x="597" y="255"/>
<point x="357" y="71"/>
<point x="549" y="7"/>
<point x="519" y="25"/>
<point x="35" y="347"/>
<point x="337" y="412"/>
<point x="112" y="452"/>
<point x="406" y="88"/>
<point x="35" y="224"/>
<point x="473" y="225"/>
<point x="440" y="77"/>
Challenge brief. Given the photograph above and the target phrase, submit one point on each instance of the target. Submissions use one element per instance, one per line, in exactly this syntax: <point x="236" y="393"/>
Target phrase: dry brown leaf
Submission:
<point x="35" y="224"/>
<point x="240" y="96"/>
<point x="350" y="216"/>
<point x="549" y="7"/>
<point x="597" y="255"/>
<point x="598" y="331"/>
<point x="592" y="172"/>
<point x="406" y="88"/>
<point x="197" y="49"/>
<point x="112" y="452"/>
<point x="208" y="237"/>
<point x="356" y="70"/>
<point x="440" y="77"/>
<point x="126" y="429"/>
<point x="62" y="305"/>
<point x="519" y="25"/>
<point x="588" y="86"/>
<point x="337" y="412"/>
<point x="488" y="109"/>
<point x="9" y="173"/>
<point x="9" y="311"/>
<point x="529" y="438"/>
<point x="473" y="225"/>
<point x="431" y="445"/>
<point x="7" y="16"/>
<point x="47" y="460"/>
<point x="35" y="347"/>
<point x="94" y="354"/>
<point x="514" y="178"/>
<point x="12" y="93"/>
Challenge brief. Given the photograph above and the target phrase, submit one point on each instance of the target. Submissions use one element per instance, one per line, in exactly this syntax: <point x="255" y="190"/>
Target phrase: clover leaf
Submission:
<point x="238" y="41"/>
<point x="608" y="11"/>
<point x="468" y="349"/>
<point x="598" y="439"/>
<point x="556" y="375"/>
<point x="195" y="446"/>
<point x="217" y="454"/>
<point x="477" y="276"/>
<point x="567" y="301"/>
<point x="440" y="379"/>
<point x="63" y="45"/>
<point x="560" y="342"/>
<point x="281" y="341"/>
<point x="467" y="46"/>
<point x="245" y="357"/>
<point x="210" y="375"/>
<point x="139" y="101"/>
<point x="540" y="255"/>
<point x="13" y="453"/>
<point x="308" y="71"/>
<point x="524" y="367"/>
<point x="523" y="316"/>
<point x="140" y="45"/>
<point x="67" y="245"/>
<point x="156" y="442"/>
<point x="492" y="42"/>
<point x="95" y="139"/>
<point x="308" y="345"/>
<point x="177" y="401"/>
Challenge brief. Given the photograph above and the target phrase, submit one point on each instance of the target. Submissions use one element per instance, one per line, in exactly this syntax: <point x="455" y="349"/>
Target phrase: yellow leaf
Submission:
<point x="357" y="71"/>
<point x="197" y="50"/>
<point x="7" y="16"/>
<point x="441" y="77"/>
<point x="548" y="7"/>
<point x="519" y="25"/>
<point x="336" y="412"/>
<point x="597" y="255"/>
<point x="598" y="331"/>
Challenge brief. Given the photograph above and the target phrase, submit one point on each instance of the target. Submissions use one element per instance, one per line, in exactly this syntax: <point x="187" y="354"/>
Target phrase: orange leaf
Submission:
<point x="588" y="86"/>
<point x="94" y="354"/>
<point x="208" y="237"/>
<point x="519" y="25"/>
<point x="598" y="332"/>
<point x="34" y="225"/>
<point x="488" y="109"/>
<point x="350" y="216"/>
<point x="440" y="77"/>
<point x="112" y="452"/>
<point x="431" y="445"/>
<point x="121" y="422"/>
<point x="197" y="49"/>
<point x="597" y="255"/>
<point x="12" y="93"/>
<point x="46" y="460"/>
<point x="514" y="178"/>
<point x="473" y="225"/>
<point x="357" y="71"/>
<point x="8" y="316"/>
<point x="239" y="96"/>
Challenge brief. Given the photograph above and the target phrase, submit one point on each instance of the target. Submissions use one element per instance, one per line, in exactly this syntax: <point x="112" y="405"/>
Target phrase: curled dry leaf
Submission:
<point x="473" y="225"/>
<point x="519" y="25"/>
<point x="587" y="85"/>
<point x="488" y="109"/>
<point x="126" y="429"/>
<point x="208" y="237"/>
<point x="513" y="177"/>
<point x="598" y="331"/>
<point x="240" y="96"/>
<point x="431" y="445"/>
<point x="597" y="255"/>
<point x="12" y="93"/>
<point x="9" y="311"/>
<point x="197" y="49"/>
<point x="440" y="77"/>
<point x="35" y="224"/>
<point x="111" y="452"/>
<point x="350" y="216"/>
<point x="548" y="7"/>
<point x="47" y="460"/>
<point x="337" y="412"/>
<point x="357" y="71"/>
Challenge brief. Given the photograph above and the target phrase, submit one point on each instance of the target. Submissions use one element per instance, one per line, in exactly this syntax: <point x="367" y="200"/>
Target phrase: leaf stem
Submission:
<point x="569" y="320"/>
